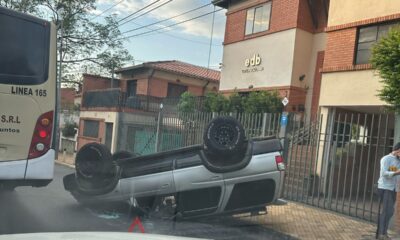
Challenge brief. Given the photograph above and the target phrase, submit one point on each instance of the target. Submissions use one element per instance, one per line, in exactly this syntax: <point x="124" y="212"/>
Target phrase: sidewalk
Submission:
<point x="66" y="160"/>
<point x="306" y="222"/>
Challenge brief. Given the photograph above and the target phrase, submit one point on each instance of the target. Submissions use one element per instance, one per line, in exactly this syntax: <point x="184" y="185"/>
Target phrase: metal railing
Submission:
<point x="115" y="98"/>
<point x="145" y="134"/>
<point x="334" y="163"/>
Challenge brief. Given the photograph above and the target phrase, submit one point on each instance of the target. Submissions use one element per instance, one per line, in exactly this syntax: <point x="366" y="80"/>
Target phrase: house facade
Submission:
<point x="134" y="99"/>
<point x="275" y="45"/>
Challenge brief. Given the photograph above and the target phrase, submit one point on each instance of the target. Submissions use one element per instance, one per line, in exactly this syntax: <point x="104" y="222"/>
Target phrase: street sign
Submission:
<point x="285" y="101"/>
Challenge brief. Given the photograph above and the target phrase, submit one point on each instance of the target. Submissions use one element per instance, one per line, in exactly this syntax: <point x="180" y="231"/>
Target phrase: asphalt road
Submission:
<point x="52" y="209"/>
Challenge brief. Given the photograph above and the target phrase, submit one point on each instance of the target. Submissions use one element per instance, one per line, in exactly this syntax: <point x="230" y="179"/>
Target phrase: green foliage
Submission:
<point x="386" y="60"/>
<point x="69" y="129"/>
<point x="264" y="101"/>
<point x="187" y="103"/>
<point x="216" y="102"/>
<point x="255" y="102"/>
<point x="236" y="102"/>
<point x="93" y="43"/>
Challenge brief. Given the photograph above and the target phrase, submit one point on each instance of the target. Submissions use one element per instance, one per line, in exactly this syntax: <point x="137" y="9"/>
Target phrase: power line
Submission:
<point x="175" y="24"/>
<point x="98" y="15"/>
<point x="143" y="8"/>
<point x="167" y="19"/>
<point x="146" y="12"/>
<point x="173" y="36"/>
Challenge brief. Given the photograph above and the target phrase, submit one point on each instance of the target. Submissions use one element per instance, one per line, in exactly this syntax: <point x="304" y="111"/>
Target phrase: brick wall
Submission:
<point x="67" y="96"/>
<point x="285" y="14"/>
<point x="158" y="87"/>
<point x="317" y="84"/>
<point x="195" y="90"/>
<point x="304" y="20"/>
<point x="93" y="82"/>
<point x="142" y="85"/>
<point x="340" y="48"/>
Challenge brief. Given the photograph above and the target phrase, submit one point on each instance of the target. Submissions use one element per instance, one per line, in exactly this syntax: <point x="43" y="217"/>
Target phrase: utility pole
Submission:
<point x="112" y="72"/>
<point x="159" y="128"/>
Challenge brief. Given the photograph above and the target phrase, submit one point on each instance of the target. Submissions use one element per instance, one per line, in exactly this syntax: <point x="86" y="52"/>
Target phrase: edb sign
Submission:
<point x="253" y="61"/>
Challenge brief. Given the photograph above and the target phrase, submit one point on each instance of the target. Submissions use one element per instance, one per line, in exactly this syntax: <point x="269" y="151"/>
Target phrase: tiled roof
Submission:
<point x="179" y="68"/>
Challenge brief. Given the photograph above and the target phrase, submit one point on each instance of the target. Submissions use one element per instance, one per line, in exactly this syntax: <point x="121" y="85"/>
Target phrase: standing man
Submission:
<point x="390" y="169"/>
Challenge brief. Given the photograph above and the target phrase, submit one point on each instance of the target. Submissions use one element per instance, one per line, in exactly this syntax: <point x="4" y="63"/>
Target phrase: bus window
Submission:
<point x="23" y="50"/>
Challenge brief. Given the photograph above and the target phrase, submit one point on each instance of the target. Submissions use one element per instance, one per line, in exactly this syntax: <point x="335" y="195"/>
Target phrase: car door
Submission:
<point x="148" y="177"/>
<point x="199" y="191"/>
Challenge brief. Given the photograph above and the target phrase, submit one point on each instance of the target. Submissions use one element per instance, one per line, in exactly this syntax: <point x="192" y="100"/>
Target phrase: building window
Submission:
<point x="131" y="88"/>
<point x="91" y="128"/>
<point x="367" y="36"/>
<point x="175" y="90"/>
<point x="257" y="19"/>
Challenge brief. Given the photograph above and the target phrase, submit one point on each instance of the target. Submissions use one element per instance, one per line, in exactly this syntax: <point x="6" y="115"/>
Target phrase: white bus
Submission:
<point x="28" y="104"/>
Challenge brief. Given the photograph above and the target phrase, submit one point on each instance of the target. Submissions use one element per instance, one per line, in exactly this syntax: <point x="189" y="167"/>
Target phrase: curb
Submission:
<point x="65" y="164"/>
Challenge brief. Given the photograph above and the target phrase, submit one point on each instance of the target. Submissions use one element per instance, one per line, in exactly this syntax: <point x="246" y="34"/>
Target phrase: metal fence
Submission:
<point x="333" y="163"/>
<point x="146" y="133"/>
<point x="115" y="98"/>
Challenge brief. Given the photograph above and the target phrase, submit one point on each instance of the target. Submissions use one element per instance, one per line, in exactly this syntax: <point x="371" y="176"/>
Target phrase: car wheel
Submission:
<point x="92" y="161"/>
<point x="224" y="136"/>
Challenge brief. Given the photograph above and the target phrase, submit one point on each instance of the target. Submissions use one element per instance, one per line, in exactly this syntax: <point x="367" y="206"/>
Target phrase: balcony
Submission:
<point x="116" y="100"/>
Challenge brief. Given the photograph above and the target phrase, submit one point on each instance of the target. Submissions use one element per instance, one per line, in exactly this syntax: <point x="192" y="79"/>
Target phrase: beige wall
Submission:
<point x="305" y="56"/>
<point x="355" y="88"/>
<point x="109" y="117"/>
<point x="276" y="52"/>
<point x="346" y="11"/>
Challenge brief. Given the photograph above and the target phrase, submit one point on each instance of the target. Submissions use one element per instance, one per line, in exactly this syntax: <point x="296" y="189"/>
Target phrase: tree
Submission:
<point x="258" y="102"/>
<point x="187" y="103"/>
<point x="386" y="60"/>
<point x="85" y="42"/>
<point x="216" y="102"/>
<point x="255" y="102"/>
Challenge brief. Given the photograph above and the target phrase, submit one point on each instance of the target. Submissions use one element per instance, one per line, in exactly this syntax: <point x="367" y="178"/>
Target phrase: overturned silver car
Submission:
<point x="227" y="174"/>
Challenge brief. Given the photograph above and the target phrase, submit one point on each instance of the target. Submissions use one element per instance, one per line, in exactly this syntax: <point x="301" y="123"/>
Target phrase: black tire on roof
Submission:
<point x="224" y="136"/>
<point x="225" y="146"/>
<point x="92" y="161"/>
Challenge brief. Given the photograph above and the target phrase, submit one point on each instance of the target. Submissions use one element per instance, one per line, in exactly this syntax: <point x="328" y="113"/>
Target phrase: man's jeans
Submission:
<point x="388" y="199"/>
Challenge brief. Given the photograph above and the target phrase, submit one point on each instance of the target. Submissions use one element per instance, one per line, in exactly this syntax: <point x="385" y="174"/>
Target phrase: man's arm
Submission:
<point x="385" y="169"/>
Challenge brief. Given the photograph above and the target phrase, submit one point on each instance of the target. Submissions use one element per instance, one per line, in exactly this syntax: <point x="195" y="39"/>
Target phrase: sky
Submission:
<point x="188" y="42"/>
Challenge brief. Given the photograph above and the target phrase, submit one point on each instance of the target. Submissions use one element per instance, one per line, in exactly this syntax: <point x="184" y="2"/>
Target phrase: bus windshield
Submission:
<point x="24" y="51"/>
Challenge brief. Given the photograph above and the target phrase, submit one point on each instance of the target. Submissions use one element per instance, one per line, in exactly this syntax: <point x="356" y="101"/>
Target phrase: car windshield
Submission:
<point x="206" y="119"/>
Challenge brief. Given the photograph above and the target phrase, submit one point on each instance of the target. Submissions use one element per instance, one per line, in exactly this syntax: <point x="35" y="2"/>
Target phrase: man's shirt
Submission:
<point x="389" y="165"/>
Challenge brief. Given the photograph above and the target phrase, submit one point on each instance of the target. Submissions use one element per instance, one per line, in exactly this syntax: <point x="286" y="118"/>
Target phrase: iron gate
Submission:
<point x="333" y="162"/>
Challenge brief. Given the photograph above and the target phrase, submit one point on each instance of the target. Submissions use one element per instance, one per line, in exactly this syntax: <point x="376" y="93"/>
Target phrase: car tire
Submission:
<point x="224" y="136"/>
<point x="92" y="161"/>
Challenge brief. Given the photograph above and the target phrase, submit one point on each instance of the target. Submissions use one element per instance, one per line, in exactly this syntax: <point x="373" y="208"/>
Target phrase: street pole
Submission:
<point x="112" y="72"/>
<point x="159" y="128"/>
